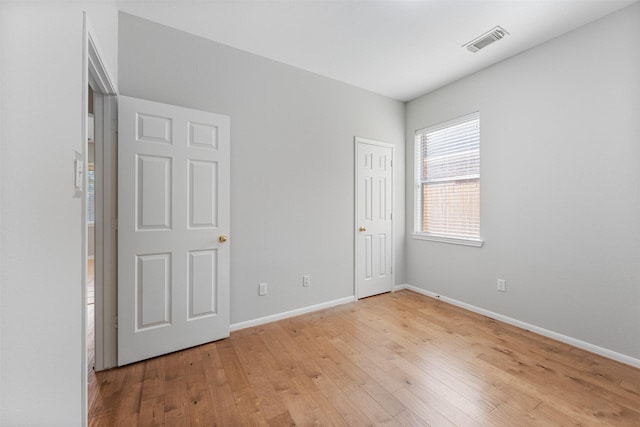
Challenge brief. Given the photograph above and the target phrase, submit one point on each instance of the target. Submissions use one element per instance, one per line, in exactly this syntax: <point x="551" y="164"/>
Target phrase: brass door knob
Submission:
<point x="223" y="238"/>
<point x="363" y="229"/>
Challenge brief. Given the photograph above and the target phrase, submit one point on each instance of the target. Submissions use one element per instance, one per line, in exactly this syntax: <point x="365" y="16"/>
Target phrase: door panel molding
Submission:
<point x="173" y="208"/>
<point x="373" y="223"/>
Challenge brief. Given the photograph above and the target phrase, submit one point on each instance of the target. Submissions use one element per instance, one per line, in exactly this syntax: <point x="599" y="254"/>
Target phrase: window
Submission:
<point x="448" y="181"/>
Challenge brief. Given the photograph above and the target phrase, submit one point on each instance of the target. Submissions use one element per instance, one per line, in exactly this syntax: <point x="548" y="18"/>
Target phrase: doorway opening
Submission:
<point x="101" y="225"/>
<point x="99" y="257"/>
<point x="91" y="234"/>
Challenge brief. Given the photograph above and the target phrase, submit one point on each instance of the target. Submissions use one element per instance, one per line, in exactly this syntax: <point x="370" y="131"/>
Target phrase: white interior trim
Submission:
<point x="600" y="351"/>
<point x="97" y="76"/>
<point x="98" y="230"/>
<point x="94" y="71"/>
<point x="95" y="63"/>
<point x="291" y="313"/>
<point x="105" y="233"/>
<point x="84" y="412"/>
<point x="452" y="240"/>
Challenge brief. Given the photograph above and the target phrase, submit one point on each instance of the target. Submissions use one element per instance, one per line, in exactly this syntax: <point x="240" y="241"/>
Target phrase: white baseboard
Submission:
<point x="619" y="357"/>
<point x="292" y="313"/>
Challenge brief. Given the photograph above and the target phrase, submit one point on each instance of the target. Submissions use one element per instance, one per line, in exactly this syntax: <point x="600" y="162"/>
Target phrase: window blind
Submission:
<point x="448" y="179"/>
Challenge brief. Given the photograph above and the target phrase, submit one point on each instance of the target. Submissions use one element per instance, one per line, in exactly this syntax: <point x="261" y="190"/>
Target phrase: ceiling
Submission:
<point x="397" y="48"/>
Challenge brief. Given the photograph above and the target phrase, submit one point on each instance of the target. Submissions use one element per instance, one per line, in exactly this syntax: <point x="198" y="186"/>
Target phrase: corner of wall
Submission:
<point x="103" y="18"/>
<point x="534" y="228"/>
<point x="246" y="87"/>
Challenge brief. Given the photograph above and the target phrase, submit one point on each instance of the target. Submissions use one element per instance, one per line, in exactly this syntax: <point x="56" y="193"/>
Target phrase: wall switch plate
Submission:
<point x="306" y="280"/>
<point x="262" y="289"/>
<point x="502" y="285"/>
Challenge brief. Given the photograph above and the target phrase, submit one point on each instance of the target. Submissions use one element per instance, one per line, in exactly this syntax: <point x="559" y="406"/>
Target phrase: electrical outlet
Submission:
<point x="262" y="289"/>
<point x="502" y="285"/>
<point x="306" y="280"/>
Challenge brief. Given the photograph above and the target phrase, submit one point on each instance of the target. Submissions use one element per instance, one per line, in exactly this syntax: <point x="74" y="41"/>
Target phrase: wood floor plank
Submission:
<point x="425" y="411"/>
<point x="349" y="380"/>
<point x="408" y="418"/>
<point x="437" y="394"/>
<point x="558" y="387"/>
<point x="127" y="410"/>
<point x="106" y="391"/>
<point x="302" y="371"/>
<point x="282" y="420"/>
<point x="176" y="399"/>
<point x="201" y="403"/>
<point x="400" y="359"/>
<point x="253" y="353"/>
<point x="354" y="379"/>
<point x="447" y="369"/>
<point x="152" y="411"/>
<point x="380" y="369"/>
<point x="101" y="420"/>
<point x="344" y="404"/>
<point x="247" y="409"/>
<point x="216" y="380"/>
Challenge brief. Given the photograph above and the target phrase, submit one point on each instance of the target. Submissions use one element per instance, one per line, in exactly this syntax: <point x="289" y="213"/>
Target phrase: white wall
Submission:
<point x="41" y="236"/>
<point x="560" y="190"/>
<point x="292" y="161"/>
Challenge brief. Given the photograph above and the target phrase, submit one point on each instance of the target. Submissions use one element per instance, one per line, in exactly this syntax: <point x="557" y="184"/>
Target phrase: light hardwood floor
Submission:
<point x="395" y="359"/>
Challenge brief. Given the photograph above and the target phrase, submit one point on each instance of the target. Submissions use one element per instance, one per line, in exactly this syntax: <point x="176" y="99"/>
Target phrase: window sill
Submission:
<point x="450" y="240"/>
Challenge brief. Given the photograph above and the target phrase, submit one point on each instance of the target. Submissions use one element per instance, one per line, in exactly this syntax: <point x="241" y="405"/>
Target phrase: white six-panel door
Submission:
<point x="173" y="208"/>
<point x="374" y="217"/>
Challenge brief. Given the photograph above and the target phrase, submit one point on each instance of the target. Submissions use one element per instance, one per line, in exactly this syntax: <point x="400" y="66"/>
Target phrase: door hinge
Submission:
<point x="391" y="216"/>
<point x="114" y="224"/>
<point x="115" y="322"/>
<point x="391" y="163"/>
<point x="391" y="269"/>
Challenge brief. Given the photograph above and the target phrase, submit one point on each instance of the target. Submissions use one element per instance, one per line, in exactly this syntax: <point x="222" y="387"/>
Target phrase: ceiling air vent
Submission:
<point x="486" y="39"/>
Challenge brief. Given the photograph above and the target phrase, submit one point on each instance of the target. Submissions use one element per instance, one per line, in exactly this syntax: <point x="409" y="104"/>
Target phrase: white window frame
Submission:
<point x="418" y="207"/>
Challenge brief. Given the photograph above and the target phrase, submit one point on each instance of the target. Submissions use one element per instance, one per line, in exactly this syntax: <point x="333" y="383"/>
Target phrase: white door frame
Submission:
<point x="94" y="73"/>
<point x="360" y="140"/>
<point x="105" y="271"/>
